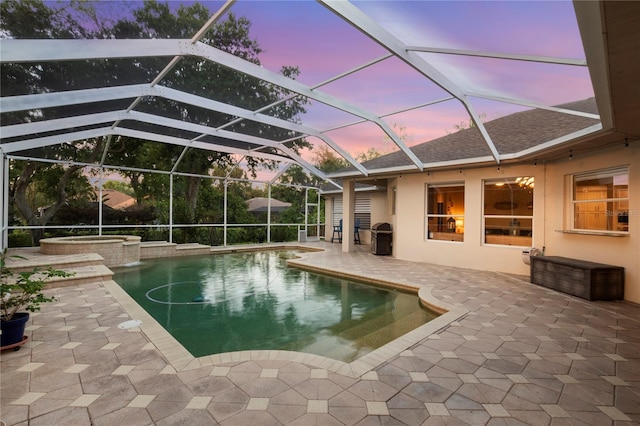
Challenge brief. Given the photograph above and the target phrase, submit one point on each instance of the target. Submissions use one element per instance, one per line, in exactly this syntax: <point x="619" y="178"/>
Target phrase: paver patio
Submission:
<point x="515" y="353"/>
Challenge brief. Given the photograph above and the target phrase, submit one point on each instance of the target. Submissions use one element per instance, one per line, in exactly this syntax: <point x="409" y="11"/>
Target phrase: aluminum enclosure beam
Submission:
<point x="106" y="131"/>
<point x="515" y="101"/>
<point x="42" y="142"/>
<point x="496" y="55"/>
<point x="73" y="97"/>
<point x="238" y="64"/>
<point x="56" y="99"/>
<point x="366" y="25"/>
<point x="48" y="50"/>
<point x="105" y="117"/>
<point x="59" y="50"/>
<point x="51" y="100"/>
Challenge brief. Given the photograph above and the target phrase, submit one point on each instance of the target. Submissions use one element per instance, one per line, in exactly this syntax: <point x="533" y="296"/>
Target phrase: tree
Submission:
<point x="54" y="184"/>
<point x="327" y="161"/>
<point x="324" y="159"/>
<point x="35" y="19"/>
<point x="389" y="144"/>
<point x="470" y="124"/>
<point x="296" y="175"/>
<point x="119" y="186"/>
<point x="367" y="155"/>
<point x="210" y="80"/>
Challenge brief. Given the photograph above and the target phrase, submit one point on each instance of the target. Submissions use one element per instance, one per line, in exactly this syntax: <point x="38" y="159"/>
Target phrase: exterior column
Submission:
<point x="328" y="218"/>
<point x="348" y="214"/>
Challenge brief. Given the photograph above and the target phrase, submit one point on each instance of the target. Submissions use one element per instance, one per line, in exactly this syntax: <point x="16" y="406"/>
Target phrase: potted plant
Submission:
<point x="20" y="292"/>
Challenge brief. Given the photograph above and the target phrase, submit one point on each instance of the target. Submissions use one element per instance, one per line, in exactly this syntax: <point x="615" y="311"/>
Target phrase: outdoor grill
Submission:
<point x="381" y="237"/>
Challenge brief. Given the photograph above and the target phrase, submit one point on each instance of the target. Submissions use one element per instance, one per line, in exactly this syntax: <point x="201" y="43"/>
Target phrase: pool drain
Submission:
<point x="129" y="324"/>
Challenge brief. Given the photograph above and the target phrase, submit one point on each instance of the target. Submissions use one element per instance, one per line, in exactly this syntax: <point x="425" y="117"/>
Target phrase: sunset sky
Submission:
<point x="308" y="35"/>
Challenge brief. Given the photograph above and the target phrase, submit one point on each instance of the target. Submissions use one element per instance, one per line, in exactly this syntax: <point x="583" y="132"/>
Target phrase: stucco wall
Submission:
<point x="620" y="251"/>
<point x="409" y="239"/>
<point x="379" y="209"/>
<point x="379" y="213"/>
<point x="552" y="194"/>
<point x="551" y="205"/>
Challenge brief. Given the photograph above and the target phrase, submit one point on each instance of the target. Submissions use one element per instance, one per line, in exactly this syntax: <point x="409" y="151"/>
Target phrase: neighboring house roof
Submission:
<point x="510" y="134"/>
<point x="115" y="199"/>
<point x="262" y="204"/>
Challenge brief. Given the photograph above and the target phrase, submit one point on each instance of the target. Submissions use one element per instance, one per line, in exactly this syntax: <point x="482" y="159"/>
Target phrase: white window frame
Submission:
<point x="486" y="216"/>
<point x="574" y="203"/>
<point x="445" y="215"/>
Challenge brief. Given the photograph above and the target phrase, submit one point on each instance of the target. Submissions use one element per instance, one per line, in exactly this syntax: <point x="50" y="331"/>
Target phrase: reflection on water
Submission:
<point x="253" y="301"/>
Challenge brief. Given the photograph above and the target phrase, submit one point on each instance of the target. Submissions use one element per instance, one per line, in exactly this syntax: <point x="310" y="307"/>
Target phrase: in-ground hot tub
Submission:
<point x="117" y="250"/>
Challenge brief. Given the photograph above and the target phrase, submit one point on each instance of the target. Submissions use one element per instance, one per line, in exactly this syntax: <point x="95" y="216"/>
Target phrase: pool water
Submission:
<point x="254" y="301"/>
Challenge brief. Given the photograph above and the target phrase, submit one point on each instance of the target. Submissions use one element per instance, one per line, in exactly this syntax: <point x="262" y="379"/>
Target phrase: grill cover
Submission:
<point x="381" y="239"/>
<point x="381" y="226"/>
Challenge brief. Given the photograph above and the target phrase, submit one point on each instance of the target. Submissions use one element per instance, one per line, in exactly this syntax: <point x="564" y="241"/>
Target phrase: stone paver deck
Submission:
<point x="509" y="352"/>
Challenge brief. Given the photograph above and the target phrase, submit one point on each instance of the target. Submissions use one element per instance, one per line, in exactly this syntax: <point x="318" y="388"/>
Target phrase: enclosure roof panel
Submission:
<point x="525" y="77"/>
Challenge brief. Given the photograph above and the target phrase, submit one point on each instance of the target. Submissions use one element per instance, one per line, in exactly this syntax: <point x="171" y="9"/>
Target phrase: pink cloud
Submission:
<point x="308" y="35"/>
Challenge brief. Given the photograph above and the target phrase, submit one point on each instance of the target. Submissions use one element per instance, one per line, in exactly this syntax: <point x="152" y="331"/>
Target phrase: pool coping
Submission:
<point x="181" y="360"/>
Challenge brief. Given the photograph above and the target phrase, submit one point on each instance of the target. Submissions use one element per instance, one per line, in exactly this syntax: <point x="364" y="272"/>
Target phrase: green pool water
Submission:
<point x="253" y="301"/>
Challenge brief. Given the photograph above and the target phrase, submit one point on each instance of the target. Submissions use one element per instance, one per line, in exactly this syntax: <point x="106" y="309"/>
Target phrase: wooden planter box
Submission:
<point x="589" y="280"/>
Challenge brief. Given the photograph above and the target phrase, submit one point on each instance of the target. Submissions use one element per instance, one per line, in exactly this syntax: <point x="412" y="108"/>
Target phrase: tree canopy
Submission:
<point x="36" y="19"/>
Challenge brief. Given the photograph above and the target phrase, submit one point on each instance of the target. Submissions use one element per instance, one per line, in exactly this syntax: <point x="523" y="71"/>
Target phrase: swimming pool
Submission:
<point x="253" y="301"/>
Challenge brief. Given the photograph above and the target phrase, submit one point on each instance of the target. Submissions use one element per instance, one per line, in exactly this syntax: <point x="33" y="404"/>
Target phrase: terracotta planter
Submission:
<point x="13" y="330"/>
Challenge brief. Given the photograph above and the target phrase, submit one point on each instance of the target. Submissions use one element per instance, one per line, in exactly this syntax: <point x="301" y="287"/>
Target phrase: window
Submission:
<point x="508" y="211"/>
<point x="362" y="210"/>
<point x="601" y="200"/>
<point x="445" y="212"/>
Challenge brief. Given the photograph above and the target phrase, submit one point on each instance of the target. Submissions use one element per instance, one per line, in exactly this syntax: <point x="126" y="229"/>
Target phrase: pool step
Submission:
<point x="376" y="319"/>
<point x="25" y="259"/>
<point x="390" y="332"/>
<point x="87" y="268"/>
<point x="330" y="346"/>
<point x="82" y="275"/>
<point x="160" y="249"/>
<point x="337" y="347"/>
<point x="351" y="339"/>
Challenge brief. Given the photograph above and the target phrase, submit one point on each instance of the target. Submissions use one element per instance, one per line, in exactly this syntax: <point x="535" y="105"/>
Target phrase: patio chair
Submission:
<point x="356" y="232"/>
<point x="337" y="232"/>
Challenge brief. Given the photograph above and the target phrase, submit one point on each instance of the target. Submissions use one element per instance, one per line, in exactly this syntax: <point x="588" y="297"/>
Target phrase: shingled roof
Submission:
<point x="510" y="134"/>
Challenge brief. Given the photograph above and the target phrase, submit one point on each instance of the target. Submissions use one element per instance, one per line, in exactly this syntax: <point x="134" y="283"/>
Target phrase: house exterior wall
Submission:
<point x="410" y="221"/>
<point x="620" y="251"/>
<point x="552" y="193"/>
<point x="379" y="209"/>
<point x="378" y="214"/>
